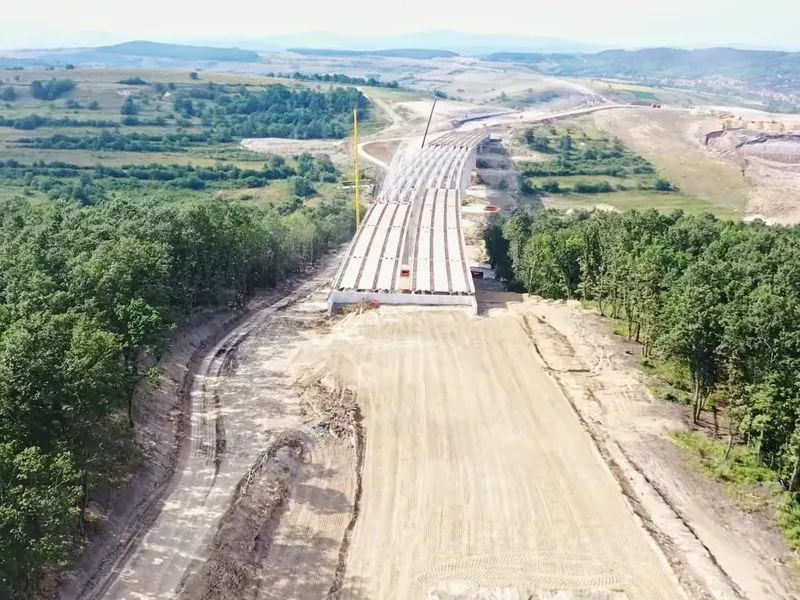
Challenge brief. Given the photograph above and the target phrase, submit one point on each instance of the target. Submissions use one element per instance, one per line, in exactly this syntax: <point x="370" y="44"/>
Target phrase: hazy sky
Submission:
<point x="621" y="23"/>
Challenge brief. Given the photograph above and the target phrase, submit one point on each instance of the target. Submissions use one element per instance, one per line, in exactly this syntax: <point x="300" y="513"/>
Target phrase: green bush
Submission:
<point x="662" y="185"/>
<point x="51" y="90"/>
<point x="552" y="187"/>
<point x="8" y="94"/>
<point x="602" y="187"/>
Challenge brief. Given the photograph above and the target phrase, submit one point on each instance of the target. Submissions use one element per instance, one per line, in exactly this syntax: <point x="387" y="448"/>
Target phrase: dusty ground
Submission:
<point x="727" y="553"/>
<point x="287" y="146"/>
<point x="239" y="399"/>
<point x="771" y="162"/>
<point x="476" y="467"/>
<point x="757" y="179"/>
<point x="380" y="152"/>
<point x="473" y="457"/>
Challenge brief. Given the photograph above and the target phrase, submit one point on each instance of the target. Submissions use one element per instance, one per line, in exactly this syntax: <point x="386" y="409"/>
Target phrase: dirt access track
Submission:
<point x="476" y="467"/>
<point x="407" y="453"/>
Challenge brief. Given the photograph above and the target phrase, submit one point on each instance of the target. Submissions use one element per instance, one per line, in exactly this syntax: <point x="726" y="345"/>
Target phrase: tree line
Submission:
<point x="337" y="78"/>
<point x="34" y="121"/>
<point x="113" y="140"/>
<point x="719" y="299"/>
<point x="90" y="184"/>
<point x="85" y="292"/>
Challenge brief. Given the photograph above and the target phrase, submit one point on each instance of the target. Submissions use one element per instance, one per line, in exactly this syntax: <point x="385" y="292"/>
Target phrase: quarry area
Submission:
<point x="386" y="426"/>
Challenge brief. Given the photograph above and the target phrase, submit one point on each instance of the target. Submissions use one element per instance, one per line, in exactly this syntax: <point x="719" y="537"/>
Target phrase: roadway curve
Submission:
<point x="490" y="120"/>
<point x="233" y="407"/>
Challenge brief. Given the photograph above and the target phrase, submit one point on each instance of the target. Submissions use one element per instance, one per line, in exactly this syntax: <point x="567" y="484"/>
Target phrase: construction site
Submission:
<point x="410" y="249"/>
<point x="391" y="425"/>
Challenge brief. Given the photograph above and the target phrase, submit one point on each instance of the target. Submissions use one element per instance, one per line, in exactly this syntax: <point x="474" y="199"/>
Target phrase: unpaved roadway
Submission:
<point x="476" y="467"/>
<point x="238" y="399"/>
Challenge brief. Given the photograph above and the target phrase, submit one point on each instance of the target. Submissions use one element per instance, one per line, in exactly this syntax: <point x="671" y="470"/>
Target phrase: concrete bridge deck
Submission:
<point x="410" y="246"/>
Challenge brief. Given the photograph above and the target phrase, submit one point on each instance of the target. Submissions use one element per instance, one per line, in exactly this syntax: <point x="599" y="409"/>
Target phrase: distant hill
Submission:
<point x="178" y="52"/>
<point x="464" y="44"/>
<point x="775" y="69"/>
<point x="420" y="53"/>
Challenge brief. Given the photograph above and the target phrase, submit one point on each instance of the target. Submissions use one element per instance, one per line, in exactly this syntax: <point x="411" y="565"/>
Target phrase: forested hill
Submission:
<point x="178" y="52"/>
<point x="750" y="66"/>
<point x="395" y="53"/>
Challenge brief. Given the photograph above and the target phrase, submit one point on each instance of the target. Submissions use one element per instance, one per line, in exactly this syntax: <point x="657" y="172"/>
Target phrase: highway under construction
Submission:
<point x="410" y="248"/>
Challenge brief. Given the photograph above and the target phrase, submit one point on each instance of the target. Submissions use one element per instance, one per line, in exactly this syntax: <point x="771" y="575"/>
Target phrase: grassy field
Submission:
<point x="627" y="92"/>
<point x="665" y="138"/>
<point x="618" y="178"/>
<point x="102" y="86"/>
<point x="280" y="190"/>
<point x="636" y="200"/>
<point x="635" y="182"/>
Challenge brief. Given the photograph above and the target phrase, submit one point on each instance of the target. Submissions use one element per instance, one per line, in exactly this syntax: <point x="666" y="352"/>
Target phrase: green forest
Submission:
<point x="202" y="114"/>
<point x="718" y="301"/>
<point x="85" y="292"/>
<point x="229" y="112"/>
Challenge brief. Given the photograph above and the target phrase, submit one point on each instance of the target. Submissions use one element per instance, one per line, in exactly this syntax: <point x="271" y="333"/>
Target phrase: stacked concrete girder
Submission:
<point x="410" y="247"/>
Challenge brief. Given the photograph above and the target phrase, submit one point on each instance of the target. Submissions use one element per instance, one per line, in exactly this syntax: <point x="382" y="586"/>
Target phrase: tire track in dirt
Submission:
<point x="359" y="442"/>
<point x="615" y="398"/>
<point x="224" y="436"/>
<point x="476" y="466"/>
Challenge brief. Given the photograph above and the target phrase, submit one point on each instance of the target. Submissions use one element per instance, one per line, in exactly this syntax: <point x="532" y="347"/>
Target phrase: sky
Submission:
<point x="616" y="23"/>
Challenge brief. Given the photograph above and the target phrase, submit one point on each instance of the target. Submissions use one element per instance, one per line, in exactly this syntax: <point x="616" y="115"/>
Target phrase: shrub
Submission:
<point x="602" y="187"/>
<point x="51" y="90"/>
<point x="662" y="185"/>
<point x="552" y="187"/>
<point x="129" y="107"/>
<point x="8" y="94"/>
<point x="302" y="187"/>
<point x="133" y="81"/>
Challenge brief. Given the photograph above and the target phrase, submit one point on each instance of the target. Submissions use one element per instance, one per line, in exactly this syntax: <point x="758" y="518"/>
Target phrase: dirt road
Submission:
<point x="237" y="399"/>
<point x="476" y="467"/>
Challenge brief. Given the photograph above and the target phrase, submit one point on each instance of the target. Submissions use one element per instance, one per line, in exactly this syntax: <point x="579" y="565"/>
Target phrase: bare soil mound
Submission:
<point x="769" y="160"/>
<point x="776" y="147"/>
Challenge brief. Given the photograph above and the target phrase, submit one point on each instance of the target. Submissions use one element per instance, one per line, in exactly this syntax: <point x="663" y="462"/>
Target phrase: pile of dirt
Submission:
<point x="746" y="143"/>
<point x="243" y="540"/>
<point x="771" y="162"/>
<point x="382" y="150"/>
